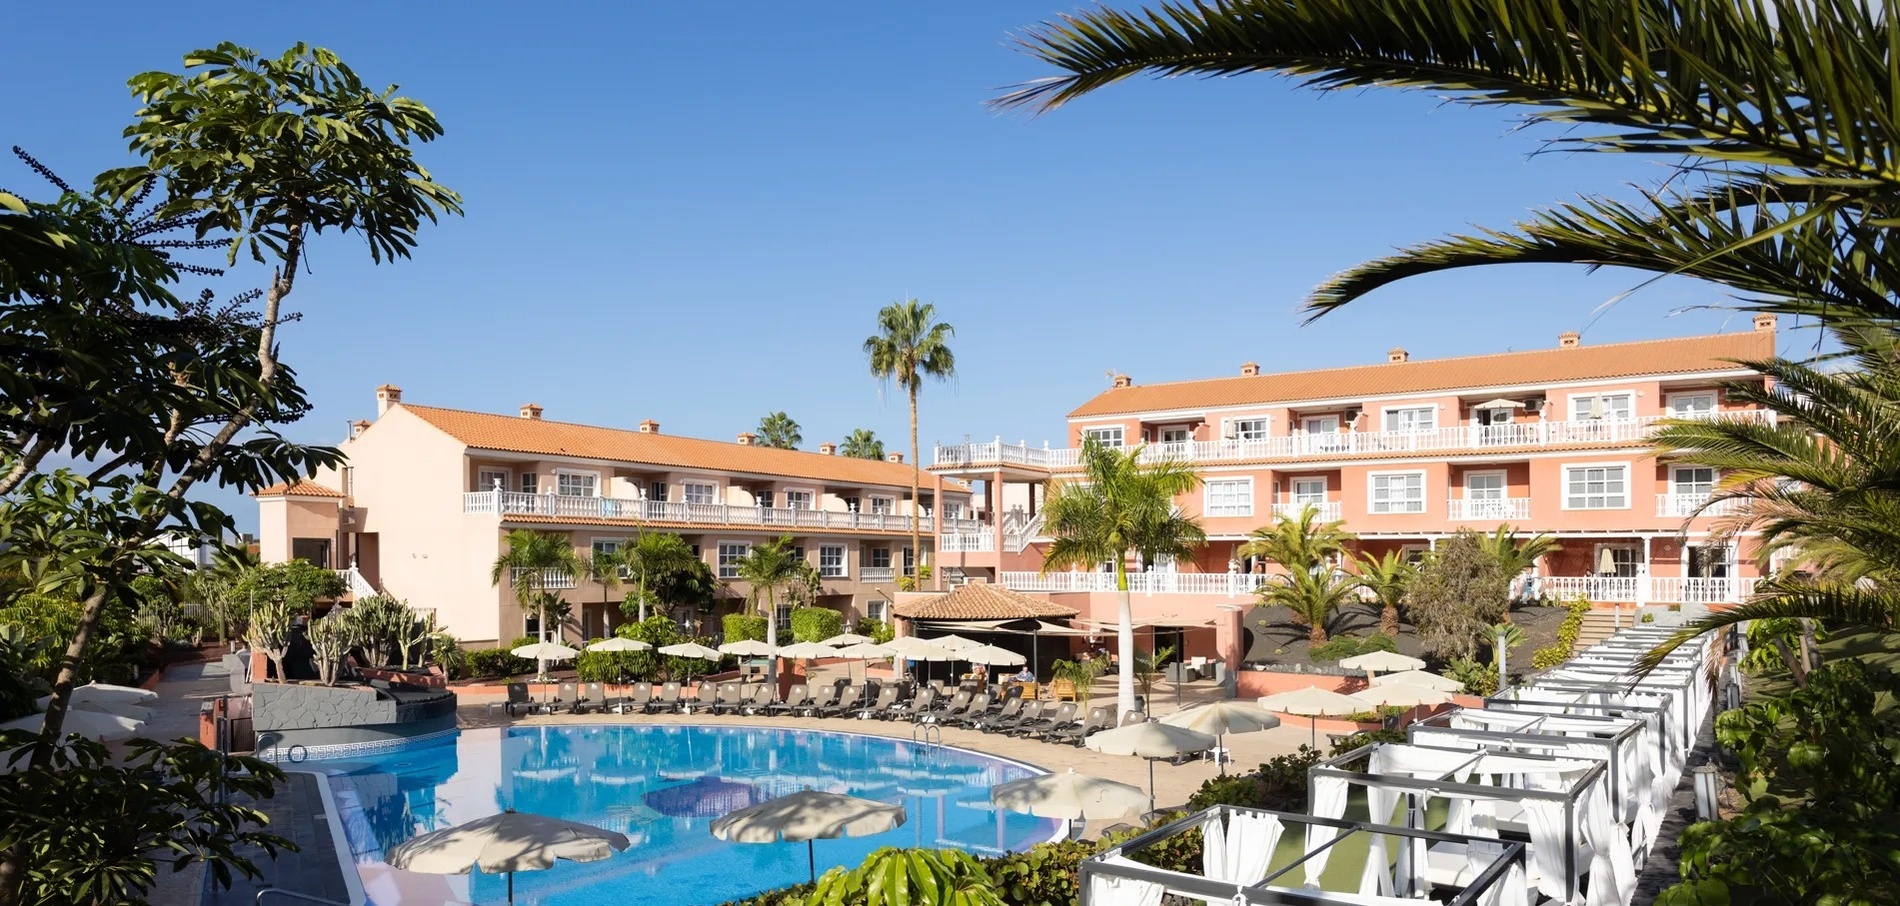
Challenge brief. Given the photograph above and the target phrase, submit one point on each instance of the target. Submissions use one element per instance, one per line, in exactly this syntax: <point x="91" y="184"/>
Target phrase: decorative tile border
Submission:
<point x="298" y="753"/>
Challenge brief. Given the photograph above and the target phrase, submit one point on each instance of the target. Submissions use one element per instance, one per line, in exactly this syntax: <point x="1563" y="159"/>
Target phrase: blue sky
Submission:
<point x="691" y="212"/>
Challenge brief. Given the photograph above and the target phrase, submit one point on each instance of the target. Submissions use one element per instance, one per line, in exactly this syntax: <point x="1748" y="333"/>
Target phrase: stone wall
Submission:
<point x="291" y="714"/>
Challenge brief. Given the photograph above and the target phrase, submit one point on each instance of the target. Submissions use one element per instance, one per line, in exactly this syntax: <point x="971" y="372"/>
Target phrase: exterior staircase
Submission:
<point x="1600" y="624"/>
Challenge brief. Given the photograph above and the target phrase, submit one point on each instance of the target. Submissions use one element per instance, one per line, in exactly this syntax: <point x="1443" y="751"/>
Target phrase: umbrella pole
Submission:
<point x="511" y="887"/>
<point x="1220" y="752"/>
<point x="811" y="860"/>
<point x="1312" y="723"/>
<point x="1151" y="786"/>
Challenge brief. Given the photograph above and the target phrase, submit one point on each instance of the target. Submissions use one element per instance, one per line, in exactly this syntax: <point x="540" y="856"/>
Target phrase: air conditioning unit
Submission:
<point x="1535" y="404"/>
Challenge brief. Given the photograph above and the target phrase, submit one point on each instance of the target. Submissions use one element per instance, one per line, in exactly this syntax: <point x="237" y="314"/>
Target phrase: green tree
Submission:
<point x="296" y="583"/>
<point x="1313" y="597"/>
<point x="665" y="572"/>
<point x="605" y="568"/>
<point x="862" y="443"/>
<point x="768" y="568"/>
<point x="910" y="347"/>
<point x="1460" y="592"/>
<point x="1117" y="507"/>
<point x="1388" y="578"/>
<point x="532" y="566"/>
<point x="901" y="877"/>
<point x="777" y="430"/>
<point x="1299" y="543"/>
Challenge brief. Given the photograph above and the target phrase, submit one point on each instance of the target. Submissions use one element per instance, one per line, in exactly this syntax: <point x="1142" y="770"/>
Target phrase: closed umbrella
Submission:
<point x="1150" y="740"/>
<point x="1069" y="796"/>
<point x="79" y="721"/>
<point x="1313" y="703"/>
<point x="1420" y="678"/>
<point x="1221" y="718"/>
<point x="1381" y="661"/>
<point x="847" y="638"/>
<point x="806" y="816"/>
<point x="509" y="842"/>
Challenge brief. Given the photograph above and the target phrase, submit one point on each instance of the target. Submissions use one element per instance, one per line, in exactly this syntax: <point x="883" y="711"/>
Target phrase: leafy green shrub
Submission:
<point x="900" y="877"/>
<point x="1346" y="646"/>
<point x="1246" y="790"/>
<point x="1364" y="738"/>
<point x="1181" y="852"/>
<point x="816" y="624"/>
<point x="448" y="655"/>
<point x="45" y="624"/>
<point x="1284" y="779"/>
<point x="1649" y="617"/>
<point x="740" y="627"/>
<point x="1043" y="875"/>
<point x="874" y="629"/>
<point x="1479" y="678"/>
<point x="496" y="662"/>
<point x="1560" y="650"/>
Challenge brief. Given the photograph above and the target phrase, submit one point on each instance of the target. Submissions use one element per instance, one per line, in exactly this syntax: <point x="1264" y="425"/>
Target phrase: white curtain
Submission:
<point x="1107" y="890"/>
<point x="1240" y="851"/>
<point x="1329" y="801"/>
<point x="1380" y="801"/>
<point x="1546" y="819"/>
<point x="1511" y="891"/>
<point x="1612" y="864"/>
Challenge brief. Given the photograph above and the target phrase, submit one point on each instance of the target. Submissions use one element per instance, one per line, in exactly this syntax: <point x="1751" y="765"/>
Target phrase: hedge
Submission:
<point x="486" y="662"/>
<point x="741" y="627"/>
<point x="816" y="624"/>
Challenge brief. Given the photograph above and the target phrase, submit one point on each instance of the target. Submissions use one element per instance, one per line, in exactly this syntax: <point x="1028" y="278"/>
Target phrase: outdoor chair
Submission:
<point x="1031" y="711"/>
<point x="1011" y="708"/>
<point x="1074" y="734"/>
<point x="596" y="698"/>
<point x="955" y="705"/>
<point x="761" y="701"/>
<point x="520" y="701"/>
<point x="668" y="700"/>
<point x="847" y="701"/>
<point x="886" y="697"/>
<point x="795" y="698"/>
<point x="922" y="701"/>
<point x="979" y="707"/>
<point x="1134" y="717"/>
<point x="637" y="700"/>
<point x="825" y="697"/>
<point x="731" y="698"/>
<point x="707" y="697"/>
<point x="1063" y="714"/>
<point x="569" y="700"/>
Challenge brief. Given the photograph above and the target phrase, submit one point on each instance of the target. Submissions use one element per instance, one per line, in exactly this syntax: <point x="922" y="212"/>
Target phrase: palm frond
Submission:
<point x="1835" y="605"/>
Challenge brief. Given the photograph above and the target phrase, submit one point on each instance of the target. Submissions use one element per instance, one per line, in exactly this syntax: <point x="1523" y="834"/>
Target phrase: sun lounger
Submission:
<point x="1134" y="717"/>
<point x="568" y="699"/>
<point x="956" y="705"/>
<point x="761" y="701"/>
<point x="1063" y="714"/>
<point x="825" y="697"/>
<point x="708" y="697"/>
<point x="520" y="701"/>
<point x="978" y="707"/>
<point x="731" y="698"/>
<point x="886" y="697"/>
<point x="1011" y="708"/>
<point x="847" y="701"/>
<point x="667" y="701"/>
<point x="795" y="698"/>
<point x="637" y="699"/>
<point x="924" y="700"/>
<point x="1074" y="734"/>
<point x="1030" y="711"/>
<point x="595" y="695"/>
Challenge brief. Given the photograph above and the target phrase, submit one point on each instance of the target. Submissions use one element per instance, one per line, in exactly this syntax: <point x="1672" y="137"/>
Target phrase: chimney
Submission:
<point x="895" y="457"/>
<point x="1765" y="322"/>
<point x="649" y="427"/>
<point x="1122" y="380"/>
<point x="827" y="449"/>
<point x="1569" y="339"/>
<point x="746" y="438"/>
<point x="357" y="427"/>
<point x="1249" y="369"/>
<point x="1396" y="354"/>
<point x="386" y="396"/>
<point x="530" y="410"/>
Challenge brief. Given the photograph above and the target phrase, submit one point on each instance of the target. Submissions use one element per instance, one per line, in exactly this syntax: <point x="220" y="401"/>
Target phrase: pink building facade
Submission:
<point x="421" y="509"/>
<point x="1405" y="453"/>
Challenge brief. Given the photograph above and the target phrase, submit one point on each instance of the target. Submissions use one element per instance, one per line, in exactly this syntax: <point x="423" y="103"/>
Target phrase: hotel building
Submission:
<point x="427" y="495"/>
<point x="1405" y="453"/>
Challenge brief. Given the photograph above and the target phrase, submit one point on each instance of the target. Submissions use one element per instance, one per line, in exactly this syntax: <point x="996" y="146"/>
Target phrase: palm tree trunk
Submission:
<point x="1389" y="620"/>
<point x="1316" y="633"/>
<point x="916" y="540"/>
<point x="771" y="636"/>
<point x="643" y="594"/>
<point x="1125" y="641"/>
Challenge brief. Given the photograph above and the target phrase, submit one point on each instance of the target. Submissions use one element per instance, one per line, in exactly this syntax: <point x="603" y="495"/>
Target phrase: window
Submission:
<point x="1625" y="560"/>
<point x="883" y="505"/>
<point x="1309" y="490"/>
<point x="730" y="553"/>
<point x="314" y="551"/>
<point x="1228" y="497"/>
<point x="576" y="484"/>
<point x="880" y="558"/>
<point x="1415" y="418"/>
<point x="530" y="483"/>
<point x="657" y="491"/>
<point x="1484" y="485"/>
<point x="798" y="500"/>
<point x="798" y="553"/>
<point x="1109" y="437"/>
<point x="952" y="510"/>
<point x="878" y="610"/>
<point x="783" y="612"/>
<point x="1245" y="429"/>
<point x="831" y="561"/>
<point x="762" y="497"/>
<point x="851" y="502"/>
<point x="607" y="547"/>
<point x="1694" y="482"/>
<point x="910" y="561"/>
<point x="1692" y="405"/>
<point x="1175" y="435"/>
<point x="1596" y="487"/>
<point x="701" y="492"/>
<point x="1602" y="406"/>
<point x="1710" y="561"/>
<point x="1320" y="424"/>
<point x="1398" y="492"/>
<point x="491" y="479"/>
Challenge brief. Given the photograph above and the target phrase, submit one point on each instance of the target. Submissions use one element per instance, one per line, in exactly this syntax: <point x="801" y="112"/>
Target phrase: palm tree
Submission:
<point x="1120" y="507"/>
<point x="1388" y="578"/>
<point x="862" y="443"/>
<point x="1312" y="597"/>
<point x="777" y="430"/>
<point x="657" y="558"/>
<point x="531" y="559"/>
<point x="604" y="567"/>
<point x="768" y="567"/>
<point x="1514" y="556"/>
<point x="1299" y="543"/>
<point x="911" y="345"/>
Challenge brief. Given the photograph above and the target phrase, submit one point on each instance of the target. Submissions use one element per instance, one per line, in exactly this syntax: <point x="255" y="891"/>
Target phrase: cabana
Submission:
<point x="1532" y="700"/>
<point x="1562" y="805"/>
<point x="1683" y="713"/>
<point x="1252" y="858"/>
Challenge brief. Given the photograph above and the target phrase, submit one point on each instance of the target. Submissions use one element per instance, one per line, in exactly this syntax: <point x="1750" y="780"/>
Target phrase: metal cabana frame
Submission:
<point x="1615" y="737"/>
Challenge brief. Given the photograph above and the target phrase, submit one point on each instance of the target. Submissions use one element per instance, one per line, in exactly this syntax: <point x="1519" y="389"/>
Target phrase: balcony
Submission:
<point x="1328" y="509"/>
<point x="877" y="574"/>
<point x="1488" y="509"/>
<point x="1645" y="589"/>
<point x="1686" y="506"/>
<point x="1606" y="589"/>
<point x="1455" y="438"/>
<point x="966" y="543"/>
<point x="1230" y="585"/>
<point x="511" y="503"/>
<point x="548" y="580"/>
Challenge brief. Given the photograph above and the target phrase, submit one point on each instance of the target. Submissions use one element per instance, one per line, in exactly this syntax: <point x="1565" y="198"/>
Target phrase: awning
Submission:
<point x="1157" y="623"/>
<point x="1499" y="403"/>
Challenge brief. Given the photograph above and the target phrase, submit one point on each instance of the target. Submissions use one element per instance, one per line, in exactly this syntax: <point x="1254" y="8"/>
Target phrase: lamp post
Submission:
<point x="1503" y="655"/>
<point x="1707" y="788"/>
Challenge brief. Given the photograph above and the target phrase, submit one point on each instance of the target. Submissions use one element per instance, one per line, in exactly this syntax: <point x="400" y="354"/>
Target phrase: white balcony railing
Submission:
<point x="1231" y="585"/>
<point x="1488" y="509"/>
<point x="510" y="503"/>
<point x="1606" y="589"/>
<point x="1645" y="589"/>
<point x="966" y="543"/>
<point x="1328" y="510"/>
<point x="1627" y="431"/>
<point x="549" y="578"/>
<point x="1685" y="506"/>
<point x="358" y="584"/>
<point x="877" y="574"/>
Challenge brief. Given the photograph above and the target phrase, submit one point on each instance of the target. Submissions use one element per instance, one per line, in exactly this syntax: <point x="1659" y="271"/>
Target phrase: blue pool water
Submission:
<point x="662" y="786"/>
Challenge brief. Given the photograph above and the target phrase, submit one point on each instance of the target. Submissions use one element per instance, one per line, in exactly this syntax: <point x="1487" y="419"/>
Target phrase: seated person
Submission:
<point x="1024" y="675"/>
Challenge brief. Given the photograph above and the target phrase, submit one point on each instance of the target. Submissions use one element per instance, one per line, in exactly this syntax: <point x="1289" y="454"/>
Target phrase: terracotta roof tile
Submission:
<point x="1650" y="357"/>
<point x="302" y="487"/>
<point x="514" y="434"/>
<point x="981" y="601"/>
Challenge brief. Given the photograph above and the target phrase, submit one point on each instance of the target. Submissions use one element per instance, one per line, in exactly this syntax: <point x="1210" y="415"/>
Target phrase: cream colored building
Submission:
<point x="428" y="494"/>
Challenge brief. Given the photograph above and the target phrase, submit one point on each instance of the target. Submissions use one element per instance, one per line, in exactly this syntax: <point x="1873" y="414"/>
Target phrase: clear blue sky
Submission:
<point x="692" y="211"/>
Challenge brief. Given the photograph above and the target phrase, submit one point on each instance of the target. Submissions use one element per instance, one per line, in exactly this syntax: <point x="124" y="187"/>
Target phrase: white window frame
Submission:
<point x="485" y="479"/>
<point x="1636" y="557"/>
<point x="1372" y="497"/>
<point x="1575" y="398"/>
<point x="1102" y="433"/>
<point x="1331" y="423"/>
<point x="1728" y="560"/>
<point x="1230" y="428"/>
<point x="686" y="491"/>
<point x="1412" y="553"/>
<point x="952" y="509"/>
<point x="719" y="557"/>
<point x="1386" y="418"/>
<point x="1563" y="473"/>
<point x="1669" y="401"/>
<point x="1186" y="434"/>
<point x="843" y="569"/>
<point x="594" y="546"/>
<point x="1212" y="509"/>
<point x="1715" y="475"/>
<point x="577" y="473"/>
<point x="889" y="504"/>
<point x="878" y="609"/>
<point x="1294" y="482"/>
<point x="1504" y="483"/>
<point x="530" y="482"/>
<point x="870" y="557"/>
<point x="811" y="498"/>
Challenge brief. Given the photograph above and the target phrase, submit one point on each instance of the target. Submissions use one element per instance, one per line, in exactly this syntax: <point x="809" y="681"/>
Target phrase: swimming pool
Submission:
<point x="662" y="786"/>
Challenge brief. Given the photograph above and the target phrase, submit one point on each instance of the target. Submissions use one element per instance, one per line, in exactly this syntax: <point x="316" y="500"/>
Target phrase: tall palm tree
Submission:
<point x="1312" y="597"/>
<point x="1299" y="543"/>
<point x="862" y="443"/>
<point x="1119" y="507"/>
<point x="769" y="567"/>
<point x="910" y="346"/>
<point x="655" y="559"/>
<point x="777" y="430"/>
<point x="1514" y="556"/>
<point x="1388" y="578"/>
<point x="604" y="567"/>
<point x="532" y="558"/>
